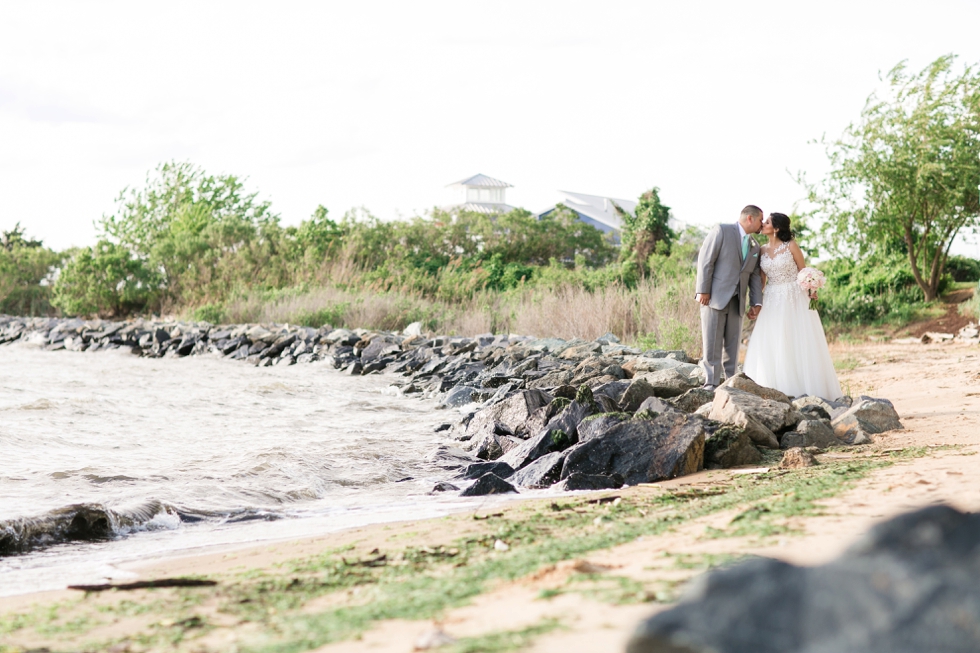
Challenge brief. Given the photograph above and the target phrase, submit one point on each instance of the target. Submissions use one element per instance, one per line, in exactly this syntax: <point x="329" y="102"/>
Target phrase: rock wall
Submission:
<point x="585" y="414"/>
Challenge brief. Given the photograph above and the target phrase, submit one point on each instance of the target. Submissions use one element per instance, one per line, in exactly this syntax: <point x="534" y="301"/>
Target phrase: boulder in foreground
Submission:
<point x="641" y="450"/>
<point x="909" y="586"/>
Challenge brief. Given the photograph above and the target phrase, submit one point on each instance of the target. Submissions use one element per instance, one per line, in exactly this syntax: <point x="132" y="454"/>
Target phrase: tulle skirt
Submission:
<point x="788" y="349"/>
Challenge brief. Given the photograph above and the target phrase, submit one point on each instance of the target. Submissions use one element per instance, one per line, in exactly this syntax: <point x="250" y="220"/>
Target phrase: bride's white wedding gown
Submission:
<point x="788" y="349"/>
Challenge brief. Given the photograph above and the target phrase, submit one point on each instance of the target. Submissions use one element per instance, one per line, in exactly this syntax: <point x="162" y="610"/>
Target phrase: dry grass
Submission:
<point x="653" y="315"/>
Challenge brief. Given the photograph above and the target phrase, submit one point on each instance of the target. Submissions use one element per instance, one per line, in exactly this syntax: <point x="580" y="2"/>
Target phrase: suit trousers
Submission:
<point x="720" y="334"/>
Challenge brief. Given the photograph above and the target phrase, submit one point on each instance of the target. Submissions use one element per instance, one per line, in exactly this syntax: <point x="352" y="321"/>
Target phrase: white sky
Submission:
<point x="381" y="104"/>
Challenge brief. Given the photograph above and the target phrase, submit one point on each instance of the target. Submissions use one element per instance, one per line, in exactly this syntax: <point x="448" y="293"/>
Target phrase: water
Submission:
<point x="199" y="452"/>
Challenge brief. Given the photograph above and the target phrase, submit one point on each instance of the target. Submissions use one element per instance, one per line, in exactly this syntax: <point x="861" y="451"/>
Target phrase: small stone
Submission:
<point x="500" y="545"/>
<point x="797" y="458"/>
<point x="443" y="487"/>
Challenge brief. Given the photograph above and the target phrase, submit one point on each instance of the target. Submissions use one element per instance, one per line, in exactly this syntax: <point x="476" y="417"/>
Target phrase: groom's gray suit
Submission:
<point x="726" y="277"/>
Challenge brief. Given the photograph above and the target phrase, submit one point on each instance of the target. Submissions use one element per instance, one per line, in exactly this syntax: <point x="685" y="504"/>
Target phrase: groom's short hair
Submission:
<point x="751" y="210"/>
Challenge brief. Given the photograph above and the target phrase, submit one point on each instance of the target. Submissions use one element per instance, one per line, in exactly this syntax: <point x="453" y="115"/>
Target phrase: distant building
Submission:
<point x="481" y="194"/>
<point x="600" y="212"/>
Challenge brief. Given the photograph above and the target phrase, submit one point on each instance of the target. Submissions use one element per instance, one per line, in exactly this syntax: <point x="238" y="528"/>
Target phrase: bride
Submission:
<point x="788" y="349"/>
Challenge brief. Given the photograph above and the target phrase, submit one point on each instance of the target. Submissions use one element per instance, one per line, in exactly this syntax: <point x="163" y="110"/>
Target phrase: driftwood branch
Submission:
<point x="145" y="584"/>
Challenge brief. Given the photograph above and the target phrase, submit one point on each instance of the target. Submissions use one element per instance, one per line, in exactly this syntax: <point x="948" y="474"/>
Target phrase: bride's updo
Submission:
<point x="780" y="223"/>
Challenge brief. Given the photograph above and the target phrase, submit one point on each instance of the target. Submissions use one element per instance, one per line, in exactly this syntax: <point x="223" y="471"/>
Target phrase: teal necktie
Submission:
<point x="745" y="246"/>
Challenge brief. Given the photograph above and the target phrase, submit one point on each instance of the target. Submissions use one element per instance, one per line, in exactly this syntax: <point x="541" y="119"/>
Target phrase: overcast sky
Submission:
<point x="381" y="104"/>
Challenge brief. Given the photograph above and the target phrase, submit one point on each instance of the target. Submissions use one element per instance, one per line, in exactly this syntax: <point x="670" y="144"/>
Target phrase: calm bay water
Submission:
<point x="233" y="454"/>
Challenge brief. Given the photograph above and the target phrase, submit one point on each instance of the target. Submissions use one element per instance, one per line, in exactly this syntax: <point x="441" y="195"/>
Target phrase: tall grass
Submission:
<point x="654" y="314"/>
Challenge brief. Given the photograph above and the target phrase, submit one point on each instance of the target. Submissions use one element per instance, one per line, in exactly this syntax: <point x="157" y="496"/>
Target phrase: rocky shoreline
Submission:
<point x="533" y="412"/>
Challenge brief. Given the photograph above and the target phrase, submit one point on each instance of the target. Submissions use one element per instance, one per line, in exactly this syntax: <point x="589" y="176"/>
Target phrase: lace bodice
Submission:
<point x="780" y="268"/>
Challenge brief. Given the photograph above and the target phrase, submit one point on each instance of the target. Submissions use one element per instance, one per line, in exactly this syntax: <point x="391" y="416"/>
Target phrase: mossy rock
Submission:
<point x="585" y="397"/>
<point x="559" y="404"/>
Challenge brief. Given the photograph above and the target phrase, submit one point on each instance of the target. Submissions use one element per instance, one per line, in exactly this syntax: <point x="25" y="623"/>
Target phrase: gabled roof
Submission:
<point x="603" y="209"/>
<point x="600" y="209"/>
<point x="482" y="181"/>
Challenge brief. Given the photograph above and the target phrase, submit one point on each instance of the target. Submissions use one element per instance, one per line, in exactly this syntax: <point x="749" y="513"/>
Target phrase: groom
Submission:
<point x="728" y="265"/>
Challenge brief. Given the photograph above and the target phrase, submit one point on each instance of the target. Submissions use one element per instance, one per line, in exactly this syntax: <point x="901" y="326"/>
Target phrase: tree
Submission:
<point x="26" y="266"/>
<point x="648" y="231"/>
<point x="105" y="280"/>
<point x="202" y="233"/>
<point x="907" y="174"/>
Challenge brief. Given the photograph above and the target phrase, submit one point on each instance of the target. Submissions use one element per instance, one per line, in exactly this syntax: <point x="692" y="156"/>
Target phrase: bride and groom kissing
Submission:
<point x="788" y="349"/>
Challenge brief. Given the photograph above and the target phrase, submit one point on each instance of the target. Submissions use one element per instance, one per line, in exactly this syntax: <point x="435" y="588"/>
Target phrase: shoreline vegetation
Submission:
<point x="902" y="185"/>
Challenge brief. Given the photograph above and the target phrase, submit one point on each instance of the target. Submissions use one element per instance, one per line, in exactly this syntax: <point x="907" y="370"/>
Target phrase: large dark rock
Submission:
<point x="512" y="411"/>
<point x="594" y="426"/>
<point x="642" y="451"/>
<point x="909" y="586"/>
<point x="635" y="394"/>
<point x="379" y="348"/>
<point x="809" y="433"/>
<point x="729" y="446"/>
<point x="560" y="433"/>
<point x="489" y="483"/>
<point x="541" y="473"/>
<point x="589" y="482"/>
<point x="476" y="470"/>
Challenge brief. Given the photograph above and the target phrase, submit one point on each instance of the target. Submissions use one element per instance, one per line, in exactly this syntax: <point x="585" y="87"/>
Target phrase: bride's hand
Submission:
<point x="813" y="294"/>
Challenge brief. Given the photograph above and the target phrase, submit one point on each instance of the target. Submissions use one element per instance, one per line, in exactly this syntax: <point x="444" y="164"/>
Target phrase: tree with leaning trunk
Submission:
<point x="907" y="174"/>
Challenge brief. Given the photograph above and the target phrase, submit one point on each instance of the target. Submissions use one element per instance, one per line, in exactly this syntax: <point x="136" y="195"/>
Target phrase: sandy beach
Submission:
<point x="575" y="594"/>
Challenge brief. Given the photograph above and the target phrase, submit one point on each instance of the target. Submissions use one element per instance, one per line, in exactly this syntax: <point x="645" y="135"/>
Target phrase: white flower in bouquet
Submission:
<point x="811" y="280"/>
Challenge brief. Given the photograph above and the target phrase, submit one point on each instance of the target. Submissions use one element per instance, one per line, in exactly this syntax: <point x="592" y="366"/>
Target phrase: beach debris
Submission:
<point x="907" y="585"/>
<point x="146" y="584"/>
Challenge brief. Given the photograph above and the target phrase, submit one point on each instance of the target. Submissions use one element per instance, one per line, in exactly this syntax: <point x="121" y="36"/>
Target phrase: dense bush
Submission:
<point x="962" y="268"/>
<point x="26" y="267"/>
<point x="875" y="289"/>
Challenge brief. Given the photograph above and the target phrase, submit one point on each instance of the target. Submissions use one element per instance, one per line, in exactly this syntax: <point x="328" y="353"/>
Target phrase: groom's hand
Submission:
<point x="703" y="298"/>
<point x="754" y="312"/>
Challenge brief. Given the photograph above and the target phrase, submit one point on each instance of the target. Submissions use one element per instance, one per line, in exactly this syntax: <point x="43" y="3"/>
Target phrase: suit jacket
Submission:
<point x="721" y="271"/>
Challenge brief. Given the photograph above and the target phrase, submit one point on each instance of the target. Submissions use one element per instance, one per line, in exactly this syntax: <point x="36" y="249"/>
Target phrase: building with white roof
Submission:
<point x="481" y="194"/>
<point x="600" y="212"/>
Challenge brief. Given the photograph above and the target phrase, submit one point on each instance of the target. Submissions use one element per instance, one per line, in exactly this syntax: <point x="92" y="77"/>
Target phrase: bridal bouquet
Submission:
<point x="811" y="280"/>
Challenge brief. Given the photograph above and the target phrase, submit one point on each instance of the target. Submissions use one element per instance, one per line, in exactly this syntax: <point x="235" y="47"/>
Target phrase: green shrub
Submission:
<point x="876" y="289"/>
<point x="211" y="313"/>
<point x="26" y="267"/>
<point x="963" y="268"/>
<point x="105" y="280"/>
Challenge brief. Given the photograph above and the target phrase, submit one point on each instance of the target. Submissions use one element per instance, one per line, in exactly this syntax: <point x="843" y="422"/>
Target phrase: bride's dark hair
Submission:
<point x="780" y="222"/>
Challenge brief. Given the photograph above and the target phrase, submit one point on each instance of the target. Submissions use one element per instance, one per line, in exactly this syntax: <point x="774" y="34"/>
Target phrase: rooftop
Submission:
<point x="481" y="181"/>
